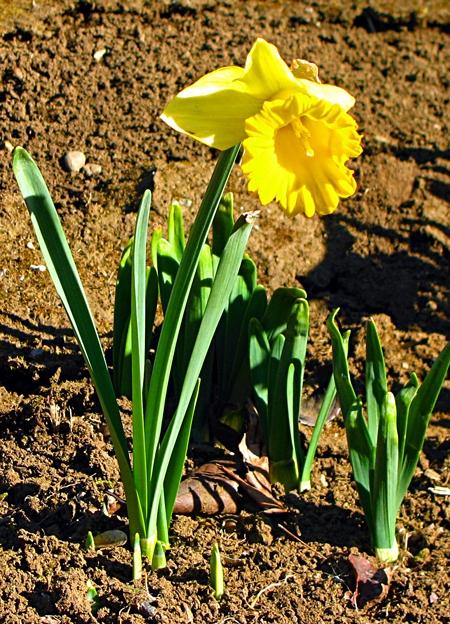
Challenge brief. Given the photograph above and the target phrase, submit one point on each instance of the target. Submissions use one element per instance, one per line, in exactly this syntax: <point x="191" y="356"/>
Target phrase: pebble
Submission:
<point x="432" y="474"/>
<point x="74" y="161"/>
<point x="38" y="267"/>
<point x="9" y="147"/>
<point x="91" y="169"/>
<point x="99" y="54"/>
<point x="110" y="539"/>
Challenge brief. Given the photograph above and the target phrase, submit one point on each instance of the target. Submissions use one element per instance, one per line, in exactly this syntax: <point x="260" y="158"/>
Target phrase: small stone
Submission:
<point x="38" y="267"/>
<point x="432" y="474"/>
<point x="110" y="539"/>
<point x="91" y="169"/>
<point x="18" y="73"/>
<point x="99" y="54"/>
<point x="74" y="161"/>
<point x="9" y="147"/>
<point x="432" y="305"/>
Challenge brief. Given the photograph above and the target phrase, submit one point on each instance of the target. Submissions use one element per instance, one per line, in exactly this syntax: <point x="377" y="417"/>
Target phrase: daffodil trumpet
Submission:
<point x="296" y="132"/>
<point x="385" y="447"/>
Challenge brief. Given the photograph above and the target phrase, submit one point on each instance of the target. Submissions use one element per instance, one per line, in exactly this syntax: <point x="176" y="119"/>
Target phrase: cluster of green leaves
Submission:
<point x="151" y="480"/>
<point x="385" y="447"/>
<point x="278" y="343"/>
<point x="225" y="373"/>
<point x="259" y="349"/>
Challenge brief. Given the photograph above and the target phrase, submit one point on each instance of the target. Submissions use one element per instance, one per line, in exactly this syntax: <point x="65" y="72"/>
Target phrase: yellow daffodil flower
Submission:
<point x="296" y="132"/>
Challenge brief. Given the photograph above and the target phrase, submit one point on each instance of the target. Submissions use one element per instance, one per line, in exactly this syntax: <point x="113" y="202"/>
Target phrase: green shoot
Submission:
<point x="385" y="446"/>
<point x="159" y="557"/>
<point x="137" y="558"/>
<point x="216" y="573"/>
<point x="105" y="511"/>
<point x="90" y="543"/>
<point x="92" y="597"/>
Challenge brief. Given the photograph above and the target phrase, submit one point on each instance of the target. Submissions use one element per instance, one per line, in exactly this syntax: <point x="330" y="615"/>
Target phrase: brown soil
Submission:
<point x="383" y="253"/>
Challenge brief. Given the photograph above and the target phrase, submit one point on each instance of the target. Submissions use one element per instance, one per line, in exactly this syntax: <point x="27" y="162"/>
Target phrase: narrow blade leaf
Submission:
<point x="61" y="266"/>
<point x="376" y="386"/>
<point x="384" y="490"/>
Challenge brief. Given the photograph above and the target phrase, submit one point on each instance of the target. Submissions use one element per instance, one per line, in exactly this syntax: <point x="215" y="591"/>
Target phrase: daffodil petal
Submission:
<point x="214" y="109"/>
<point x="329" y="93"/>
<point x="266" y="74"/>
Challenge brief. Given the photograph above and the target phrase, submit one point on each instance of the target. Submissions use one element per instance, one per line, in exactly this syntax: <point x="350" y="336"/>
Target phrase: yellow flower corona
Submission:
<point x="296" y="132"/>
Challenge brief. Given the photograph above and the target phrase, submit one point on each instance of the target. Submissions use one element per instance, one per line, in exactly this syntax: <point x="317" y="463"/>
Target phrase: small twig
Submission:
<point x="271" y="586"/>
<point x="296" y="538"/>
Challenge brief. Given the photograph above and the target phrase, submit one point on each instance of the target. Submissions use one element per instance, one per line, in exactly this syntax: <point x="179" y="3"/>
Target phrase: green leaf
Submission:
<point x="220" y="292"/>
<point x="156" y="237"/>
<point x="159" y="557"/>
<point x="178" y="457"/>
<point x="277" y="314"/>
<point x="305" y="475"/>
<point x="62" y="269"/>
<point x="274" y="363"/>
<point x="137" y="558"/>
<point x="361" y="452"/>
<point x="173" y="318"/>
<point x="284" y="463"/>
<point x="122" y="311"/>
<point x="222" y="227"/>
<point x="403" y="403"/>
<point x="347" y="396"/>
<point x="124" y="366"/>
<point x="235" y="313"/>
<point x="138" y="341"/>
<point x="92" y="597"/>
<point x="151" y="303"/>
<point x="376" y="386"/>
<point x="284" y="403"/>
<point x="216" y="573"/>
<point x="240" y="385"/>
<point x="198" y="299"/>
<point x="384" y="490"/>
<point x="420" y="412"/>
<point x="259" y="354"/>
<point x="176" y="230"/>
<point x="168" y="266"/>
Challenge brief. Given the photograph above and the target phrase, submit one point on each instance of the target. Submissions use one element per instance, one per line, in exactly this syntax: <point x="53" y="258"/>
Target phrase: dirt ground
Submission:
<point x="94" y="76"/>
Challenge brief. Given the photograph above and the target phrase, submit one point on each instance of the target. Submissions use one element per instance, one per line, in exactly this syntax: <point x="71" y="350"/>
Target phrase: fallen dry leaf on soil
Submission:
<point x="371" y="583"/>
<point x="214" y="487"/>
<point x="209" y="489"/>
